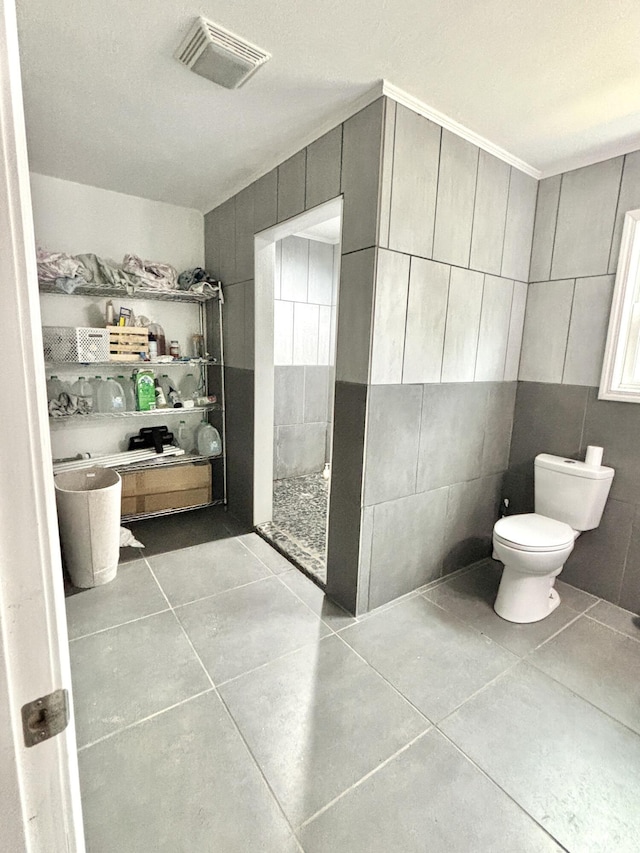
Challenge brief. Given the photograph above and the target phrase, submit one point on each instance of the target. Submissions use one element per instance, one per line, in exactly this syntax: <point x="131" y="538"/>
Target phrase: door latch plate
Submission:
<point x="45" y="717"/>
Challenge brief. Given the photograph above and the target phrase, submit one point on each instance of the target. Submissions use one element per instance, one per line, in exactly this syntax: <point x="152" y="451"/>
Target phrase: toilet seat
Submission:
<point x="532" y="532"/>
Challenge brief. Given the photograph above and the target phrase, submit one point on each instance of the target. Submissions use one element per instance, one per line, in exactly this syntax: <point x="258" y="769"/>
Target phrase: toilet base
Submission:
<point x="526" y="598"/>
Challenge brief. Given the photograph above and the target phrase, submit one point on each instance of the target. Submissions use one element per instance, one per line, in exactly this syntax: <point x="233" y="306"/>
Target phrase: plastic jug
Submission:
<point x="129" y="393"/>
<point x="55" y="387"/>
<point x="111" y="396"/>
<point x="84" y="392"/>
<point x="185" y="437"/>
<point x="188" y="387"/>
<point x="208" y="440"/>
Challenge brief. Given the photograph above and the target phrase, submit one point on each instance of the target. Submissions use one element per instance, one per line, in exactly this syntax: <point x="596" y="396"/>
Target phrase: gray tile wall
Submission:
<point x="435" y="456"/>
<point x="564" y="420"/>
<point x="577" y="232"/>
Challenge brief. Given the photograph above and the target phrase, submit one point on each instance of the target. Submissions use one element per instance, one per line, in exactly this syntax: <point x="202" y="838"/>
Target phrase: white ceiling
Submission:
<point x="556" y="85"/>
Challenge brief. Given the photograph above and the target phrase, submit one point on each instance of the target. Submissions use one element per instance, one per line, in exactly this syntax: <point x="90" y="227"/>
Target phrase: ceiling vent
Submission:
<point x="213" y="52"/>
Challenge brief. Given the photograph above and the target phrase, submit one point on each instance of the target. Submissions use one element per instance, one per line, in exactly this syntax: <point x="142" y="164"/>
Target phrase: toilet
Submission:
<point x="569" y="497"/>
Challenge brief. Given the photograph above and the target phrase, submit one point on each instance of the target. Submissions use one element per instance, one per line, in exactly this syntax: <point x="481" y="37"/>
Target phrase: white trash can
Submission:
<point x="89" y="519"/>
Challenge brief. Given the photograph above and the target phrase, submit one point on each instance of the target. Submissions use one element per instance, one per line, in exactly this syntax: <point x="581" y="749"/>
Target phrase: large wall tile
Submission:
<point x="320" y="272"/>
<point x="546" y="330"/>
<point x="244" y="234"/>
<point x="630" y="588"/>
<point x="324" y="158"/>
<point x="456" y="195"/>
<point x="393" y="431"/>
<point x="598" y="558"/>
<point x="616" y="427"/>
<point x="489" y="218"/>
<point x="463" y="323"/>
<point x="326" y="354"/>
<point x="249" y="324"/>
<point x="472" y="510"/>
<point x="518" y="235"/>
<point x="316" y="394"/>
<point x="407" y="547"/>
<point x="498" y="426"/>
<point x="212" y="241"/>
<point x="415" y="182"/>
<point x="288" y="394"/>
<point x="389" y="317"/>
<point x="282" y="332"/>
<point x="291" y="186"/>
<point x="361" y="153"/>
<point x="451" y="434"/>
<point x="343" y="544"/>
<point x="516" y="328"/>
<point x="265" y="201"/>
<point x="299" y="449"/>
<point x="426" y="318"/>
<point x="354" y="316"/>
<point x="227" y="237"/>
<point x="306" y="324"/>
<point x="239" y="386"/>
<point x="629" y="200"/>
<point x="548" y="419"/>
<point x="588" y="330"/>
<point x="494" y="329"/>
<point x="386" y="171"/>
<point x="586" y="215"/>
<point x="364" y="569"/>
<point x="544" y="231"/>
<point x="234" y="326"/>
<point x="294" y="269"/>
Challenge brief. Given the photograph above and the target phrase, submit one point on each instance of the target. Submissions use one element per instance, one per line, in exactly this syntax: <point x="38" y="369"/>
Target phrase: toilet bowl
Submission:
<point x="570" y="497"/>
<point x="533" y="549"/>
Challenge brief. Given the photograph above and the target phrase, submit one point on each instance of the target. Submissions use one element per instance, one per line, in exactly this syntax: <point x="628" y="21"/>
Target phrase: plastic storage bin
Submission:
<point x="89" y="519"/>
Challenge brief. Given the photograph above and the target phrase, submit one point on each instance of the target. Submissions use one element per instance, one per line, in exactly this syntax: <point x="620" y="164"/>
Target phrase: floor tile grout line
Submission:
<point x="480" y="690"/>
<point x="553" y="636"/>
<point x="221" y="592"/>
<point x="257" y="765"/>
<point x="486" y="775"/>
<point x="583" y="698"/>
<point x="308" y="606"/>
<point x="118" y="625"/>
<point x="145" y="719"/>
<point x="611" y="628"/>
<point x="364" y="778"/>
<point x="386" y="681"/>
<point x="186" y="636"/>
<point x="315" y="641"/>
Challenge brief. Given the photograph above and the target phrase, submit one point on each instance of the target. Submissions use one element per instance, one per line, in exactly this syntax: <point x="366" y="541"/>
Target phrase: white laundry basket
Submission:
<point x="89" y="519"/>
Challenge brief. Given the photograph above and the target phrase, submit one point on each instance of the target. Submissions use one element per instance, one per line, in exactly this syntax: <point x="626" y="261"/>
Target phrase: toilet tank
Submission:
<point x="571" y="491"/>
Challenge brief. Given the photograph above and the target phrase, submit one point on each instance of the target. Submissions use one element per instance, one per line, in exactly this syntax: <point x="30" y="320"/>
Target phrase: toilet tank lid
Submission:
<point x="573" y="467"/>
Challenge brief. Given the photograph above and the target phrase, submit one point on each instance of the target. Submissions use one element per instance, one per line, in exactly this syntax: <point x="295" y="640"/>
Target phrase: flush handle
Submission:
<point x="45" y="717"/>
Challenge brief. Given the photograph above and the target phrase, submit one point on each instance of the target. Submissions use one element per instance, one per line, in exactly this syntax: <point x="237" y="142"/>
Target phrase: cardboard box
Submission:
<point x="173" y="487"/>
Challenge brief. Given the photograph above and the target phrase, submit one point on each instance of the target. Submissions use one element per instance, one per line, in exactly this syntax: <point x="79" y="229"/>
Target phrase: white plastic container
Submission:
<point x="111" y="396"/>
<point x="89" y="519"/>
<point x="188" y="387"/>
<point x="208" y="440"/>
<point x="84" y="392"/>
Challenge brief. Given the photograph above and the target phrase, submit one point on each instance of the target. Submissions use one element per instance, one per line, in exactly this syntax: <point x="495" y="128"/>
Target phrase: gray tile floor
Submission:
<point x="224" y="704"/>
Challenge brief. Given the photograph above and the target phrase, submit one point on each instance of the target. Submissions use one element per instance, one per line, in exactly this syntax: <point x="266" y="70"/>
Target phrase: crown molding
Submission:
<point x="443" y="120"/>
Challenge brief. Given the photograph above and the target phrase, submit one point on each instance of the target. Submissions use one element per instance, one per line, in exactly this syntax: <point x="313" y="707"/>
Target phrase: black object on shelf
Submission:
<point x="155" y="437"/>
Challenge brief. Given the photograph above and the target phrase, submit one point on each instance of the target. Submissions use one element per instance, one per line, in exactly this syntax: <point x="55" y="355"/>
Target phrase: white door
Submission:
<point x="39" y="790"/>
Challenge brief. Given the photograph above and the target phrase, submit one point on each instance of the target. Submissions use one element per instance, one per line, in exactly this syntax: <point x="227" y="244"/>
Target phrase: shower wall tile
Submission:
<point x="249" y="325"/>
<point x="516" y="328"/>
<point x="227" y="237"/>
<point x="354" y="316"/>
<point x="265" y="201"/>
<point x="451" y="434"/>
<point x="393" y="426"/>
<point x="546" y="329"/>
<point x="361" y="152"/>
<point x="299" y="449"/>
<point x="518" y="236"/>
<point x="316" y="394"/>
<point x="324" y="160"/>
<point x="498" y="427"/>
<point x="493" y="338"/>
<point x="283" y="332"/>
<point x="212" y="241"/>
<point x="306" y="319"/>
<point x="426" y="318"/>
<point x="490" y="212"/>
<point x="325" y="348"/>
<point x="294" y="269"/>
<point x="544" y="231"/>
<point x="415" y="182"/>
<point x="239" y="386"/>
<point x="463" y="323"/>
<point x="588" y="330"/>
<point x="455" y="201"/>
<point x="288" y="394"/>
<point x="291" y="185"/>
<point x="386" y="171"/>
<point x="320" y="288"/>
<point x="400" y="564"/>
<point x="629" y="199"/>
<point x="586" y="217"/>
<point x="234" y="325"/>
<point x="389" y="317"/>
